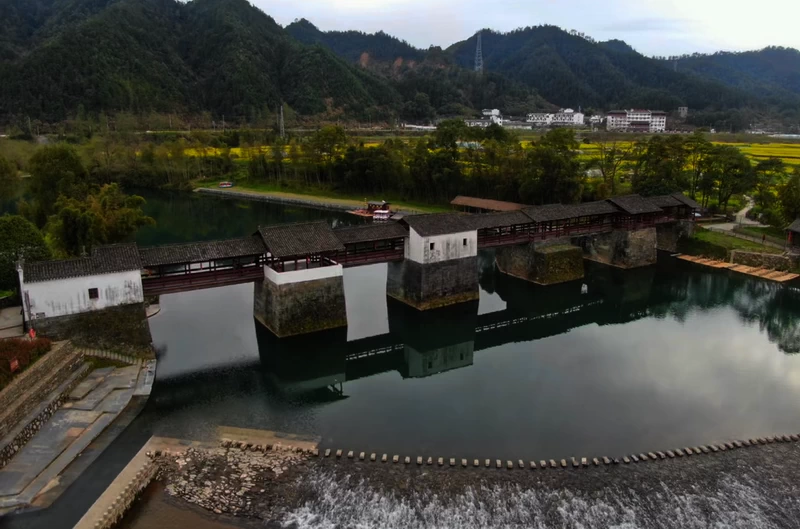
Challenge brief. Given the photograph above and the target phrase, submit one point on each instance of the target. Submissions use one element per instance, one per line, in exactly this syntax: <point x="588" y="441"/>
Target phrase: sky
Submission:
<point x="653" y="27"/>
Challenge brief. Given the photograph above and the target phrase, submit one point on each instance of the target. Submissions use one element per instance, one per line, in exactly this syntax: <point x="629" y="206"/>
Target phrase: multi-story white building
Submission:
<point x="637" y="120"/>
<point x="566" y="117"/>
<point x="490" y="117"/>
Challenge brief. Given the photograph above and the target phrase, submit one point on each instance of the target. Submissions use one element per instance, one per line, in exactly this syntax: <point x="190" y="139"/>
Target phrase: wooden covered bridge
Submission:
<point x="291" y="247"/>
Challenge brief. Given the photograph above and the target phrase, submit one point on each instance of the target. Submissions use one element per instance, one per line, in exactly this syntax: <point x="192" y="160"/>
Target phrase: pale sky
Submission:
<point x="653" y="27"/>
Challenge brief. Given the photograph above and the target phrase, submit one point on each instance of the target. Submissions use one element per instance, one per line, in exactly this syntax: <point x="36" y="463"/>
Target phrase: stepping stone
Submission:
<point x="373" y="457"/>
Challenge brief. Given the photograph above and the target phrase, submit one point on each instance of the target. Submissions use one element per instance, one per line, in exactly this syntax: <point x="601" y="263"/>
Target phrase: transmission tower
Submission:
<point x="479" y="55"/>
<point x="281" y="126"/>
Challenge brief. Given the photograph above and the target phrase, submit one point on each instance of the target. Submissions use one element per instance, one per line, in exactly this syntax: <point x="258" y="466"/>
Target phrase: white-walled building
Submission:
<point x="635" y="120"/>
<point x="111" y="277"/>
<point x="566" y="117"/>
<point x="492" y="116"/>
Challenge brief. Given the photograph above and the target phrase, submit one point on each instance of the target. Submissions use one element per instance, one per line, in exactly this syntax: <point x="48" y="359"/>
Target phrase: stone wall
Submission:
<point x="433" y="285"/>
<point x="302" y="307"/>
<point x="28" y="389"/>
<point x="625" y="249"/>
<point x="9" y="447"/>
<point x="124" y="329"/>
<point x="543" y="264"/>
<point x="764" y="260"/>
<point x="668" y="235"/>
<point x="123" y="501"/>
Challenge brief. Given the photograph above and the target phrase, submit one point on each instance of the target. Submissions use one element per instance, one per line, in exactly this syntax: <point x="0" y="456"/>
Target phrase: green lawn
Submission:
<point x="732" y="243"/>
<point x="6" y="293"/>
<point x="769" y="231"/>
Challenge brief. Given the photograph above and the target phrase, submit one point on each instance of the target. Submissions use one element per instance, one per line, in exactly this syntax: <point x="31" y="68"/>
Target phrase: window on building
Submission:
<point x="465" y="242"/>
<point x="93" y="293"/>
<point x="432" y="244"/>
<point x="430" y="365"/>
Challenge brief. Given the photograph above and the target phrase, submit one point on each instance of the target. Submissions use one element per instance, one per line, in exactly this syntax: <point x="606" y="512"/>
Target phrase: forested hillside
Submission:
<point x="773" y="72"/>
<point x="61" y="59"/>
<point x="222" y="56"/>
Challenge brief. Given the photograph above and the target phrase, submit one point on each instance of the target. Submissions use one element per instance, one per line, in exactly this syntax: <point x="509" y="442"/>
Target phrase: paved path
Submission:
<point x="740" y="219"/>
<point x="92" y="406"/>
<point x="11" y="322"/>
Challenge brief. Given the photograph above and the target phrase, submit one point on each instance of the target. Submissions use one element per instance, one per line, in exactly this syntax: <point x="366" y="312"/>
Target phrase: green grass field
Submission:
<point x="732" y="243"/>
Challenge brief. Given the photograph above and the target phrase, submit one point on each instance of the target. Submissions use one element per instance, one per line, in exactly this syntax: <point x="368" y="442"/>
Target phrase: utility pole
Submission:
<point x="479" y="55"/>
<point x="281" y="126"/>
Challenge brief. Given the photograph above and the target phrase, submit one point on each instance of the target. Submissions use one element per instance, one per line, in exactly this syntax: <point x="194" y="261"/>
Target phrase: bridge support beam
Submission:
<point x="622" y="248"/>
<point x="300" y="301"/>
<point x="668" y="235"/>
<point x="543" y="263"/>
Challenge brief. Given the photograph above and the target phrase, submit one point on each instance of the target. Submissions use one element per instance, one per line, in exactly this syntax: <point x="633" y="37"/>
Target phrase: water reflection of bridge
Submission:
<point x="421" y="344"/>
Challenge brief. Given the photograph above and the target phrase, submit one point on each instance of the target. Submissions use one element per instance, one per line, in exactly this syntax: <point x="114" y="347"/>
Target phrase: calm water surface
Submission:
<point x="670" y="355"/>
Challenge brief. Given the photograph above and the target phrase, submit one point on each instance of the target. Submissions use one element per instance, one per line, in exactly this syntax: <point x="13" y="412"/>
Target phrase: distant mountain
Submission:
<point x="61" y="58"/>
<point x="224" y="56"/>
<point x="356" y="46"/>
<point x="423" y="74"/>
<point x="773" y="72"/>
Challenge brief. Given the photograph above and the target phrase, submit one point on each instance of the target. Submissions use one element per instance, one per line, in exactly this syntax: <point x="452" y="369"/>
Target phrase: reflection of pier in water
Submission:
<point x="421" y="344"/>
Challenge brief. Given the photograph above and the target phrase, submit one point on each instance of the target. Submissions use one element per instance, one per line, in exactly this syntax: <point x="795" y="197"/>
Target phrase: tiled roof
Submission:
<point x="501" y="219"/>
<point x="293" y="240"/>
<point x="686" y="200"/>
<point x="551" y="212"/>
<point x="794" y="226"/>
<point x="598" y="207"/>
<point x="104" y="260"/>
<point x="377" y="231"/>
<point x="547" y="213"/>
<point x="634" y="204"/>
<point x="202" y="251"/>
<point x="438" y="223"/>
<point x="665" y="201"/>
<point x="485" y="203"/>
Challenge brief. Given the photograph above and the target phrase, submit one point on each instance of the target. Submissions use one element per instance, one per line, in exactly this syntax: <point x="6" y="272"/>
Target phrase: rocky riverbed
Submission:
<point x="754" y="487"/>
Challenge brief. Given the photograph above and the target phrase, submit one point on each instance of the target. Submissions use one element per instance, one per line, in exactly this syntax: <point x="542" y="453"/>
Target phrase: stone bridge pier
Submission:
<point x="441" y="263"/>
<point x="303" y="287"/>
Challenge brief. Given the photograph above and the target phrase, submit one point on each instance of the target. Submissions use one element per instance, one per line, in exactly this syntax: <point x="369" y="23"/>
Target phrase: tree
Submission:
<point x="8" y="179"/>
<point x="733" y="173"/>
<point x="104" y="217"/>
<point x="326" y="142"/>
<point x="659" y="168"/>
<point x="55" y="170"/>
<point x="553" y="172"/>
<point x="789" y="198"/>
<point x="612" y="155"/>
<point x="768" y="174"/>
<point x="697" y="149"/>
<point x="19" y="239"/>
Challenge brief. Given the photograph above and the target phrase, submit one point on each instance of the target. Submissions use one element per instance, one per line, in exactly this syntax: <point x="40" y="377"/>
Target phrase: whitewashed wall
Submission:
<point x="71" y="296"/>
<point x="300" y="276"/>
<point x="445" y="247"/>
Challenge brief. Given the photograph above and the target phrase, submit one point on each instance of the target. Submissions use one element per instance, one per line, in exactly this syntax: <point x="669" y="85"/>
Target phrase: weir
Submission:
<point x="298" y="268"/>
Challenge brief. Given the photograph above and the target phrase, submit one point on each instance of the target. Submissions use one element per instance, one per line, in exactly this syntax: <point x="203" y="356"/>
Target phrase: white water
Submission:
<point x="355" y="504"/>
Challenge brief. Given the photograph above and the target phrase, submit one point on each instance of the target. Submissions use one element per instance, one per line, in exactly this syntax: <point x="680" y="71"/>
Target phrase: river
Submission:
<point x="666" y="356"/>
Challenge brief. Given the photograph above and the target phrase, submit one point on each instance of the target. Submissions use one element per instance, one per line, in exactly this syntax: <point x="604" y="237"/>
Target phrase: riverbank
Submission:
<point x="744" y="487"/>
<point x="318" y="201"/>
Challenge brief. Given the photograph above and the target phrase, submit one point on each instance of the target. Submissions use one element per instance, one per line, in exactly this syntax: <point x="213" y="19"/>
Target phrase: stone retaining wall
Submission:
<point x="26" y="391"/>
<point x="122" y="328"/>
<point x="770" y="261"/>
<point x="123" y="501"/>
<point x="12" y="446"/>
